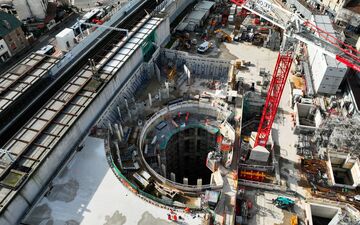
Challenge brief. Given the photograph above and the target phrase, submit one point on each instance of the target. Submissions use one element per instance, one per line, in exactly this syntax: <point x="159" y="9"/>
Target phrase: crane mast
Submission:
<point x="277" y="84"/>
<point x="295" y="29"/>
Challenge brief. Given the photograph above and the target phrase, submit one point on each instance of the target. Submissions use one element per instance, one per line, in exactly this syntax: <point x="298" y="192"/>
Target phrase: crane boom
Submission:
<point x="295" y="29"/>
<point x="304" y="31"/>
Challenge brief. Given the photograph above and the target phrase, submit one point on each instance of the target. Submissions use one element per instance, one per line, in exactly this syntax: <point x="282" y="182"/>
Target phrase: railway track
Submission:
<point x="33" y="143"/>
<point x="37" y="94"/>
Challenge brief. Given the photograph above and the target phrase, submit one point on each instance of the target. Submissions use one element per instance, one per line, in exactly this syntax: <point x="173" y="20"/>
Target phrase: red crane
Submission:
<point x="295" y="29"/>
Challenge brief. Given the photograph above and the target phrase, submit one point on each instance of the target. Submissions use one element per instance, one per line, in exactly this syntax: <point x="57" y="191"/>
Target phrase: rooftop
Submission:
<point x="324" y="23"/>
<point x="8" y="23"/>
<point x="354" y="6"/>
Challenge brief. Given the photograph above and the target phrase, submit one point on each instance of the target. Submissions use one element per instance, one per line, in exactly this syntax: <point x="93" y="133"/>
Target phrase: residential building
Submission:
<point x="334" y="6"/>
<point x="349" y="16"/>
<point x="11" y="33"/>
<point x="345" y="13"/>
<point x="31" y="9"/>
<point x="5" y="53"/>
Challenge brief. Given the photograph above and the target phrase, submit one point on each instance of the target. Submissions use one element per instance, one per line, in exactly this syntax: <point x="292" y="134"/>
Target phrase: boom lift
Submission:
<point x="296" y="30"/>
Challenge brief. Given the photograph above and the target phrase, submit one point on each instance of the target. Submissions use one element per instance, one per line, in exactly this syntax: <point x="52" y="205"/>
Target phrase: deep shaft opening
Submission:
<point x="186" y="154"/>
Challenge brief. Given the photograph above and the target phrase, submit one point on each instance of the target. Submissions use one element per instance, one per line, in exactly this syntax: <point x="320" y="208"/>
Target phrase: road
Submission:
<point x="88" y="4"/>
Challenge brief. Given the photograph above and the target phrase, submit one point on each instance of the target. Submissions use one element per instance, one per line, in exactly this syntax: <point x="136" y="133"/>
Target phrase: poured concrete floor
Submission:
<point x="87" y="192"/>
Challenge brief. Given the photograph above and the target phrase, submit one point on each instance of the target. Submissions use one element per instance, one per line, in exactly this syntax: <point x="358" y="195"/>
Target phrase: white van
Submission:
<point x="204" y="47"/>
<point x="46" y="50"/>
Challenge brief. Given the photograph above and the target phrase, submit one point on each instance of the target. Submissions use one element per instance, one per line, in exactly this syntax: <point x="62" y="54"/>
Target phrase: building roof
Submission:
<point x="200" y="11"/>
<point x="353" y="5"/>
<point x="8" y="23"/>
<point x="204" y="5"/>
<point x="325" y="24"/>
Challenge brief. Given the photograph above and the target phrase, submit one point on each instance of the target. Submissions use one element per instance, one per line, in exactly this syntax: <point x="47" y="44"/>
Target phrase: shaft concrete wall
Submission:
<point x="209" y="68"/>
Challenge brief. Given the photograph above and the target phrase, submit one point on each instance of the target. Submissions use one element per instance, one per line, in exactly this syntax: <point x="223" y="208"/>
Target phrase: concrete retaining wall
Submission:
<point x="187" y="106"/>
<point x="198" y="66"/>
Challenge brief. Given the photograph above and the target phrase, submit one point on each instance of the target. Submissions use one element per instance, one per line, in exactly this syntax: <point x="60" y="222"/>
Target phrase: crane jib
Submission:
<point x="261" y="3"/>
<point x="348" y="63"/>
<point x="264" y="4"/>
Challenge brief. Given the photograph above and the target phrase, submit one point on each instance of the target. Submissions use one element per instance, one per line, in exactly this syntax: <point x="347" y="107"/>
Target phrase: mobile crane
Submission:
<point x="296" y="29"/>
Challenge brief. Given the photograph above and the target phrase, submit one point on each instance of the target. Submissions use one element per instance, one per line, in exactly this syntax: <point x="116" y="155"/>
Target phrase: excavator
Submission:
<point x="283" y="202"/>
<point x="225" y="36"/>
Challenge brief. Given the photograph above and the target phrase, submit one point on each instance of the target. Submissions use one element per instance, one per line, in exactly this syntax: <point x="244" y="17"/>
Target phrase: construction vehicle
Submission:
<point x="296" y="30"/>
<point x="283" y="202"/>
<point x="225" y="36"/>
<point x="203" y="47"/>
<point x="294" y="220"/>
<point x="171" y="74"/>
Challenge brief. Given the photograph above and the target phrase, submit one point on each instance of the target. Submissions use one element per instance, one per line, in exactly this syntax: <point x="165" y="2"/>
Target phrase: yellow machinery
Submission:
<point x="172" y="74"/>
<point x="294" y="220"/>
<point x="225" y="35"/>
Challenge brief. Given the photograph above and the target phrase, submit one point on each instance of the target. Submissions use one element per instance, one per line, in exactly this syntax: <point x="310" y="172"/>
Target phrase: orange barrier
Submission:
<point x="252" y="175"/>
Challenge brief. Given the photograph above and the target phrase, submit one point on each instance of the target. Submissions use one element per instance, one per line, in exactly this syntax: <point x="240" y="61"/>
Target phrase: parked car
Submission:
<point x="203" y="47"/>
<point x="46" y="50"/>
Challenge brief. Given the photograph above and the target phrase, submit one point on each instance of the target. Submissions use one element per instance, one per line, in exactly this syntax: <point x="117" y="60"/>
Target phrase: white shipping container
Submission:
<point x="259" y="153"/>
<point x="65" y="39"/>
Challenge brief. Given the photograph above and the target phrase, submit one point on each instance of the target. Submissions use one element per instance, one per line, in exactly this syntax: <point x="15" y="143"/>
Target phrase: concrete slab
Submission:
<point x="258" y="57"/>
<point x="86" y="192"/>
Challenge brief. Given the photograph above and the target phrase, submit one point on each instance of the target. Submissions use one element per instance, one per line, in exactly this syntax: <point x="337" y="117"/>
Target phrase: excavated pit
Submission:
<point x="186" y="154"/>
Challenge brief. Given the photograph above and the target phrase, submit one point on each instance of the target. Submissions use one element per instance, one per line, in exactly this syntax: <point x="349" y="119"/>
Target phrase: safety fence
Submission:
<point x="256" y="167"/>
<point x="148" y="197"/>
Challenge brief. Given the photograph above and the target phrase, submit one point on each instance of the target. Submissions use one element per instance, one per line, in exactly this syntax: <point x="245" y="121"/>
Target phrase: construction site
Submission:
<point x="186" y="112"/>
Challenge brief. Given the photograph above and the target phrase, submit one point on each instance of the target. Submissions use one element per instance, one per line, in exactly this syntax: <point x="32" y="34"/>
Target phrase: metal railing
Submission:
<point x="125" y="181"/>
<point x="261" y="185"/>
